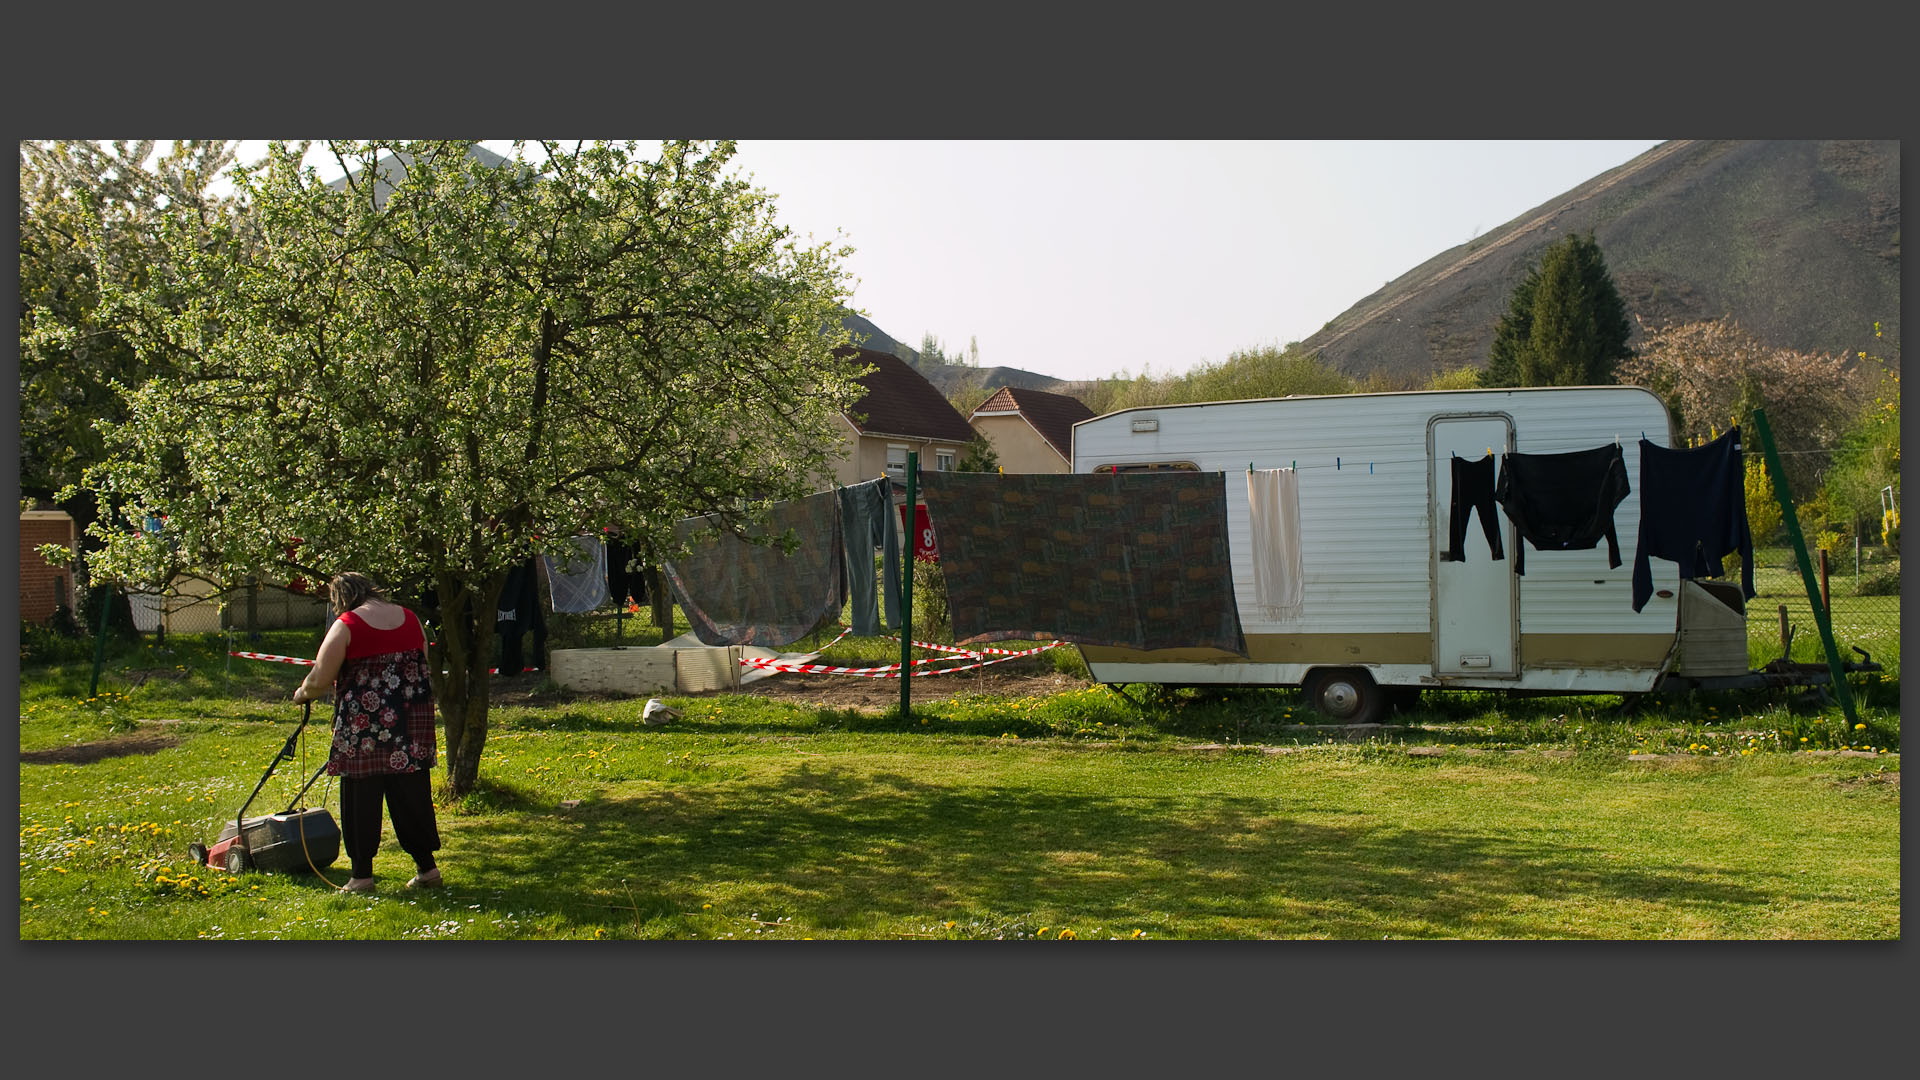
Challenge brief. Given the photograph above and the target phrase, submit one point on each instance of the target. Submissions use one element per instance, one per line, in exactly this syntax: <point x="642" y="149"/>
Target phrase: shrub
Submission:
<point x="43" y="644"/>
<point x="932" y="621"/>
<point x="1884" y="583"/>
<point x="1067" y="661"/>
<point x="1763" y="509"/>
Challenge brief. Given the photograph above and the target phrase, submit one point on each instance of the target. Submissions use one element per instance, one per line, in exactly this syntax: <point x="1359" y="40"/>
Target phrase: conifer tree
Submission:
<point x="1565" y="323"/>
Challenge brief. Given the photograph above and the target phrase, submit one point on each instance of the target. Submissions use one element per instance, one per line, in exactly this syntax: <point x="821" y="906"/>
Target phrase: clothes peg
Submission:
<point x="1249" y="466"/>
<point x="1369" y="468"/>
<point x="1489" y="451"/>
<point x="1296" y="466"/>
<point x="1336" y="464"/>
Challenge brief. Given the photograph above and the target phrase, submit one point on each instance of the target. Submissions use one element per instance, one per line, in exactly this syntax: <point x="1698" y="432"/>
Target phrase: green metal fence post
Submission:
<point x="906" y="590"/>
<point x="99" y="639"/>
<point x="1835" y="668"/>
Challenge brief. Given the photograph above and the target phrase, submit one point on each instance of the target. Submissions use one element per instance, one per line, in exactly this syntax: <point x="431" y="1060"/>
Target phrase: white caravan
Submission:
<point x="1381" y="615"/>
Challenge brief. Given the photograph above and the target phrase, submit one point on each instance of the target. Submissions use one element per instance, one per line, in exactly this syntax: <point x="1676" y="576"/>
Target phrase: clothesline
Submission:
<point x="1341" y="464"/>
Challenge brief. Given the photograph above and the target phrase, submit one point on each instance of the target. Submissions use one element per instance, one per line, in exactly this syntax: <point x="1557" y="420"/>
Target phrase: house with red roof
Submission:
<point x="1031" y="430"/>
<point x="901" y="412"/>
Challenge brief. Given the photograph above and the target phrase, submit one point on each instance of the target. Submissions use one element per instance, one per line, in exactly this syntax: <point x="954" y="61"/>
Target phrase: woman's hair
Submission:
<point x="350" y="589"/>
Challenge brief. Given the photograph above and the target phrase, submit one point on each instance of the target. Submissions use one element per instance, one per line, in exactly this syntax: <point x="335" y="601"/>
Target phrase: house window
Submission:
<point x="897" y="462"/>
<point x="943" y="461"/>
<point x="1150" y="466"/>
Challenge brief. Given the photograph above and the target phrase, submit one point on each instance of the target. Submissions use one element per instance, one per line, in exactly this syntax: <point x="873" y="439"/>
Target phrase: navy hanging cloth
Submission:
<point x="1693" y="511"/>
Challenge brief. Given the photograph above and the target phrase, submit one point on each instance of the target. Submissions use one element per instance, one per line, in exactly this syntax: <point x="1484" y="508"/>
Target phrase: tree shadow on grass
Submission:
<point x="842" y="852"/>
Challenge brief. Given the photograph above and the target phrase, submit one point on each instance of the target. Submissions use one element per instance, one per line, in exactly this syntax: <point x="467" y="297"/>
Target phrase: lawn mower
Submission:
<point x="293" y="839"/>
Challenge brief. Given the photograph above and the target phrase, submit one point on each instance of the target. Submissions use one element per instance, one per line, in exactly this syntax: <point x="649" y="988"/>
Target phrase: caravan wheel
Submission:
<point x="1346" y="695"/>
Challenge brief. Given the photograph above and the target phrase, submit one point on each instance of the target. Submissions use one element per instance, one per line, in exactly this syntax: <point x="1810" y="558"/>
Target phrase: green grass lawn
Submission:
<point x="1191" y="815"/>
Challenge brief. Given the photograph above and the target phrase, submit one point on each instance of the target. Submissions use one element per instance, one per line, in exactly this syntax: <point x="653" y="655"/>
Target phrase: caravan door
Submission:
<point x="1474" y="608"/>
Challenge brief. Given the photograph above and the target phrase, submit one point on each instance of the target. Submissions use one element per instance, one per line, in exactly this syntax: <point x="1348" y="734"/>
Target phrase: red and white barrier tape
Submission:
<point x="309" y="663"/>
<point x="937" y="647"/>
<point x="270" y="656"/>
<point x="890" y="671"/>
<point x="972" y="654"/>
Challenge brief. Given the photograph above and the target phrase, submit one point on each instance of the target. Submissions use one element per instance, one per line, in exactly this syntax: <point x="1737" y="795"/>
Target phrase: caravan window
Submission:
<point x="1149" y="466"/>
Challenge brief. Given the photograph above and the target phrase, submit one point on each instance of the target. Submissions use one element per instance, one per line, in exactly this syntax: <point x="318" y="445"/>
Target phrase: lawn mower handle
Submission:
<point x="285" y="754"/>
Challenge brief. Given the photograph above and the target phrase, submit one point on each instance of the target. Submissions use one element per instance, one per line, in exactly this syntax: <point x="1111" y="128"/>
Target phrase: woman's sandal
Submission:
<point x="428" y="880"/>
<point x="358" y="885"/>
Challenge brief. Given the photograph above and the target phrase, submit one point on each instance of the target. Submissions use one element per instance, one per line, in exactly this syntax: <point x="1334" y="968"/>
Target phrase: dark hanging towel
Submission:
<point x="867" y="521"/>
<point x="1693" y="511"/>
<point x="1563" y="502"/>
<point x="520" y="613"/>
<point x="740" y="593"/>
<point x="1138" y="560"/>
<point x="1472" y="491"/>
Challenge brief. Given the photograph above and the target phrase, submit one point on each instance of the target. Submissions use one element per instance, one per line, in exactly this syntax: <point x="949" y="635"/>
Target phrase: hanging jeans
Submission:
<point x="867" y="522"/>
<point x="1473" y="490"/>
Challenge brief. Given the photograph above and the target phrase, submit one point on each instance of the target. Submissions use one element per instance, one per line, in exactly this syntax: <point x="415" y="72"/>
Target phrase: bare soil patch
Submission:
<point x="857" y="692"/>
<point x="140" y="742"/>
<point x="832" y="691"/>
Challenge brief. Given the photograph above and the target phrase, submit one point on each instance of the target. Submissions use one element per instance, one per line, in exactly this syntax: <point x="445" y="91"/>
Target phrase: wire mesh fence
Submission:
<point x="1862" y="598"/>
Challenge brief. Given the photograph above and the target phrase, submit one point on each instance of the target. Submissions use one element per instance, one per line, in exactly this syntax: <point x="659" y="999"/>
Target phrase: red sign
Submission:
<point x="923" y="545"/>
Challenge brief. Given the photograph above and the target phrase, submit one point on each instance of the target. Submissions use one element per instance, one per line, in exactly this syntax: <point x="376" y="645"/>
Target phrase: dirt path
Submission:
<point x="847" y="691"/>
<point x="139" y="742"/>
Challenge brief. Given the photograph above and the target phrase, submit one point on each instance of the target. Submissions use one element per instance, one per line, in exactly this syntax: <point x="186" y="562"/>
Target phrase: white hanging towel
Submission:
<point x="1273" y="504"/>
<point x="578" y="579"/>
<point x="149" y="610"/>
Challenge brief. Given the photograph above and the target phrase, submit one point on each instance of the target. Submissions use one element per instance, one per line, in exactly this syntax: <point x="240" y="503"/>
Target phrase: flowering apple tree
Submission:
<point x="439" y="366"/>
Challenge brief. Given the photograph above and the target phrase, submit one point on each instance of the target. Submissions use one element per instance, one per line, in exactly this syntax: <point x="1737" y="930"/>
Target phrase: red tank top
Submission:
<point x="367" y="640"/>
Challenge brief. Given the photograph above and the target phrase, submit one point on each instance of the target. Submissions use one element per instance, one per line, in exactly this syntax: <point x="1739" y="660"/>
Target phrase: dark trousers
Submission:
<point x="1473" y="483"/>
<point x="513" y="657"/>
<point x="409" y="799"/>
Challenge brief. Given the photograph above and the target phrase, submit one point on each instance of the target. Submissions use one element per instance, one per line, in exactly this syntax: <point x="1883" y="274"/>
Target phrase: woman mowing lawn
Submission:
<point x="374" y="659"/>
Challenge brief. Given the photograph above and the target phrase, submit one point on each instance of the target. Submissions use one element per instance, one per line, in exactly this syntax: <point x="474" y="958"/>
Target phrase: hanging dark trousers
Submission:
<point x="519" y="614"/>
<point x="1473" y="490"/>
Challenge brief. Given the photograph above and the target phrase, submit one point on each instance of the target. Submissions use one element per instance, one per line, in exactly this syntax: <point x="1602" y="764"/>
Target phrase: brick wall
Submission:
<point x="43" y="586"/>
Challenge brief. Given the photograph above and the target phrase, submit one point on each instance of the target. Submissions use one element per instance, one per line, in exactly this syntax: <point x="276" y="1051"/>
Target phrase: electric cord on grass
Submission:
<point x="300" y="803"/>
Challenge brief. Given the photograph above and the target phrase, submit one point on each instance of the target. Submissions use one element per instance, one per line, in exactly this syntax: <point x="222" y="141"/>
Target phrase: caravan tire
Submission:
<point x="1346" y="695"/>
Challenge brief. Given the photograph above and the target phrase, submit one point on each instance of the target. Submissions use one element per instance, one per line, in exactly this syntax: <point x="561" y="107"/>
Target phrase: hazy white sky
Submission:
<point x="1084" y="259"/>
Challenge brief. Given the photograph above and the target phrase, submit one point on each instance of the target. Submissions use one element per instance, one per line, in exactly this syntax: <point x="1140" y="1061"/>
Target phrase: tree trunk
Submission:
<point x="662" y="601"/>
<point x="460" y="662"/>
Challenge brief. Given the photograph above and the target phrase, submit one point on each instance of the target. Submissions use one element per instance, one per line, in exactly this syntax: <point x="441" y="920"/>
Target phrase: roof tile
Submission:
<point x="900" y="401"/>
<point x="1052" y="415"/>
